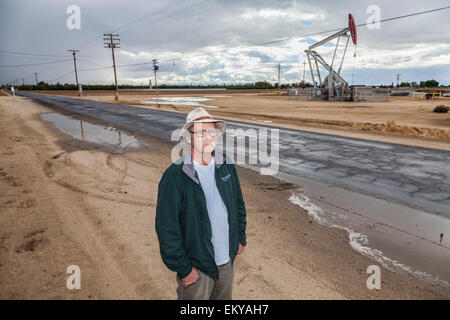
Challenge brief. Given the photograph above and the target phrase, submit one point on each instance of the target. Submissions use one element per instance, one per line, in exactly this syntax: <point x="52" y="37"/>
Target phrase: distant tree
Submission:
<point x="405" y="84"/>
<point x="432" y="83"/>
<point x="263" y="85"/>
<point x="429" y="84"/>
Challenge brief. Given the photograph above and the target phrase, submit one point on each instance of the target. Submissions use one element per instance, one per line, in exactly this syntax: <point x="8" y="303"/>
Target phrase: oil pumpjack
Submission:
<point x="333" y="85"/>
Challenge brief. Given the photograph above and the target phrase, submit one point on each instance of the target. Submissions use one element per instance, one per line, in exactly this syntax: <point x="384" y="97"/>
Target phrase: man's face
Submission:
<point x="203" y="137"/>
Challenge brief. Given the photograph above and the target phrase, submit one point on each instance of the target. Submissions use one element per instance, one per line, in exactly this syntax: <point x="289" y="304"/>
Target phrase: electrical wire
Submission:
<point x="64" y="75"/>
<point x="313" y="34"/>
<point x="285" y="39"/>
<point x="33" y="64"/>
<point x="31" y="54"/>
<point x="165" y="17"/>
<point x="91" y="69"/>
<point x="128" y="24"/>
<point x="32" y="58"/>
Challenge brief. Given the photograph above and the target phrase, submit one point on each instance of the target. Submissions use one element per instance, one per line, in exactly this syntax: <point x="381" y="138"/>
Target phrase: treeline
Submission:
<point x="69" y="86"/>
<point x="257" y="85"/>
<point x="421" y="84"/>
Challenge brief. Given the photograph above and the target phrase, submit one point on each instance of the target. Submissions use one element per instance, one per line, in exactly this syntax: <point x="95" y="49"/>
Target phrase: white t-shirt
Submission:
<point x="217" y="211"/>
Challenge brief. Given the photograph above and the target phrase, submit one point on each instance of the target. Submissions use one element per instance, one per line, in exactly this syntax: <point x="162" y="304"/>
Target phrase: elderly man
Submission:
<point x="200" y="214"/>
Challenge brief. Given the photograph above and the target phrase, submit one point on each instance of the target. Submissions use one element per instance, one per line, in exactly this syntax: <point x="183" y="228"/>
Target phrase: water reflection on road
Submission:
<point x="93" y="133"/>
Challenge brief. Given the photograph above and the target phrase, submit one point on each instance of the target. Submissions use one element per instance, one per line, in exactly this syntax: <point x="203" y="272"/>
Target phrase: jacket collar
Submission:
<point x="188" y="166"/>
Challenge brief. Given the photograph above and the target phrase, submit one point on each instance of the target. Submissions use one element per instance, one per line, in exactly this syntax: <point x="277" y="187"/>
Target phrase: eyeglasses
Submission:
<point x="202" y="133"/>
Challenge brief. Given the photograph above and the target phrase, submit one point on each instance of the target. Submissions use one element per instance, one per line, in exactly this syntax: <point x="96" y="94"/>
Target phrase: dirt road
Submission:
<point x="401" y="120"/>
<point x="68" y="202"/>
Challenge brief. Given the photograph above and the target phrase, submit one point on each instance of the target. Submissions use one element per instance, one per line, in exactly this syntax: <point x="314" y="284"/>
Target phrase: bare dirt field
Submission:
<point x="66" y="202"/>
<point x="401" y="120"/>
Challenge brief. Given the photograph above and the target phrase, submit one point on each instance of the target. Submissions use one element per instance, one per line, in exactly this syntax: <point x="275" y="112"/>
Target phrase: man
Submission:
<point x="200" y="214"/>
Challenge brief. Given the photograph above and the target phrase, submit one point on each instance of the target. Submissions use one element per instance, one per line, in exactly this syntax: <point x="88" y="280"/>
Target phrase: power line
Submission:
<point x="64" y="75"/>
<point x="11" y="56"/>
<point x="33" y="64"/>
<point x="165" y="17"/>
<point x="93" y="69"/>
<point x="240" y="47"/>
<point x="314" y="34"/>
<point x="31" y="54"/>
<point x="151" y="13"/>
<point x="293" y="37"/>
<point x="286" y="39"/>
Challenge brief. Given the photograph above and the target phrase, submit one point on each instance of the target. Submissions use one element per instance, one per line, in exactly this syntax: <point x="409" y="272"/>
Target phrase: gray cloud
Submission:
<point x="416" y="46"/>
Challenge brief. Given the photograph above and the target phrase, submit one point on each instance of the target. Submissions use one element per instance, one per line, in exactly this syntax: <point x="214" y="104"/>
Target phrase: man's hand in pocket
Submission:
<point x="241" y="249"/>
<point x="190" y="279"/>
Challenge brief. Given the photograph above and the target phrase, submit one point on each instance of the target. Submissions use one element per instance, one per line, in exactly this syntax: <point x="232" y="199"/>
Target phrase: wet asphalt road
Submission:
<point x="412" y="176"/>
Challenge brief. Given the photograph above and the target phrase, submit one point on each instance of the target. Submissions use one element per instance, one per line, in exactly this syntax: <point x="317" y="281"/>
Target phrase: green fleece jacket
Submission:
<point x="182" y="222"/>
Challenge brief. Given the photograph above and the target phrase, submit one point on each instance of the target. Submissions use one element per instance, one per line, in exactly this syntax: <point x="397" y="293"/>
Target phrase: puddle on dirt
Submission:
<point x="261" y="120"/>
<point x="181" y="101"/>
<point x="93" y="133"/>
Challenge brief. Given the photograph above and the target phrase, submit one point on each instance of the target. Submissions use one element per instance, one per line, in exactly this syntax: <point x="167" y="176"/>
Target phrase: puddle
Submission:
<point x="82" y="130"/>
<point x="261" y="120"/>
<point x="181" y="101"/>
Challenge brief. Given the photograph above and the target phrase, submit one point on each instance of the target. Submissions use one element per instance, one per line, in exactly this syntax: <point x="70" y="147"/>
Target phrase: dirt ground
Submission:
<point x="401" y="120"/>
<point x="67" y="202"/>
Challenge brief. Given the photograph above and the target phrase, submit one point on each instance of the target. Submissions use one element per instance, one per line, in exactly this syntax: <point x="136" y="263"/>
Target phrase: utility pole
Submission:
<point x="304" y="71"/>
<point x="110" y="43"/>
<point x="279" y="69"/>
<point x="35" y="75"/>
<point x="74" y="52"/>
<point x="156" y="68"/>
<point x="23" y="82"/>
<point x="304" y="74"/>
<point x="398" y="78"/>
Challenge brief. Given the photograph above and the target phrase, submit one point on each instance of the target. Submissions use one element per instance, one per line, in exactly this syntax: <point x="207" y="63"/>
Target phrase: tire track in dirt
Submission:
<point x="126" y="264"/>
<point x="50" y="171"/>
<point x="107" y="252"/>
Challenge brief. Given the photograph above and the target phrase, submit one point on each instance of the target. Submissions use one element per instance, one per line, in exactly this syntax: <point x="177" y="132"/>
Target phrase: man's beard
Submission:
<point x="210" y="146"/>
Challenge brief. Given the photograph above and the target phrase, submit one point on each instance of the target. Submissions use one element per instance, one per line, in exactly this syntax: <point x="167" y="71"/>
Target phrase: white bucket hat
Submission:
<point x="200" y="115"/>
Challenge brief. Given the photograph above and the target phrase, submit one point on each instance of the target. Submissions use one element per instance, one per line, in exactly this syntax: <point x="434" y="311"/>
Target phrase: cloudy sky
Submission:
<point x="217" y="41"/>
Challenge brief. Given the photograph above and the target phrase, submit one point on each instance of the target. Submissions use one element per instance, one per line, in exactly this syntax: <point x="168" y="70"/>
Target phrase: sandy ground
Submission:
<point x="402" y="120"/>
<point x="67" y="202"/>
